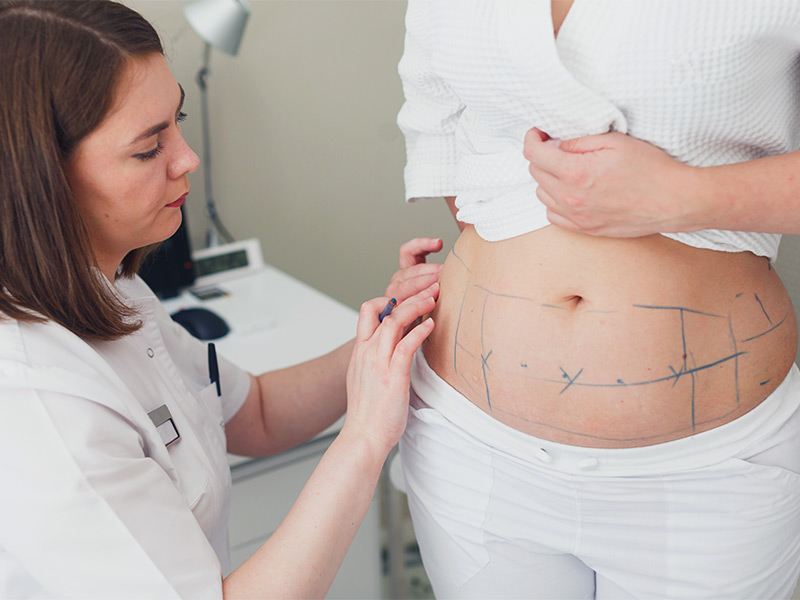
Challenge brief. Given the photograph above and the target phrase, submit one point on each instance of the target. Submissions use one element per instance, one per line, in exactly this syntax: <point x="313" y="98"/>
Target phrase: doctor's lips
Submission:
<point x="178" y="202"/>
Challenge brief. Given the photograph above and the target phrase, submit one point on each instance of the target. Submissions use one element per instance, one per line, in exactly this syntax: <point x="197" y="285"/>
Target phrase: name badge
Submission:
<point x="162" y="419"/>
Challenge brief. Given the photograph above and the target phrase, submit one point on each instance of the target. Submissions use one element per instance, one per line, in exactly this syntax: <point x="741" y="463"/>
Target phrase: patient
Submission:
<point x="599" y="416"/>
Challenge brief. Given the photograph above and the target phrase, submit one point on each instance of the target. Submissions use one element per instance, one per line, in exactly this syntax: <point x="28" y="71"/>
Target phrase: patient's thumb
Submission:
<point x="588" y="143"/>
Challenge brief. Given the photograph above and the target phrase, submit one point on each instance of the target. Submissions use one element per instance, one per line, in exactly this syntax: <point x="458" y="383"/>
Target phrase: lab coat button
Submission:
<point x="544" y="456"/>
<point x="150" y="353"/>
<point x="588" y="464"/>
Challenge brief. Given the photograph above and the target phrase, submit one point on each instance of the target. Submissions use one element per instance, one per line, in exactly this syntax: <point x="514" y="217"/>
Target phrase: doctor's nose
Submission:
<point x="184" y="162"/>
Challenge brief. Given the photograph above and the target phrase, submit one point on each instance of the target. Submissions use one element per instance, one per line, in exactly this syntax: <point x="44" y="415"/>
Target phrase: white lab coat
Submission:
<point x="92" y="502"/>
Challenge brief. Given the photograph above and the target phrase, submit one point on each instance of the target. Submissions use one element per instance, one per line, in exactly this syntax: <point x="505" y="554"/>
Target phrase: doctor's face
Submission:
<point x="130" y="175"/>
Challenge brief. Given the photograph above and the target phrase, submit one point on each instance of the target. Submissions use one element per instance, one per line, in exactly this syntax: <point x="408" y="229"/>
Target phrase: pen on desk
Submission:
<point x="388" y="310"/>
<point x="213" y="367"/>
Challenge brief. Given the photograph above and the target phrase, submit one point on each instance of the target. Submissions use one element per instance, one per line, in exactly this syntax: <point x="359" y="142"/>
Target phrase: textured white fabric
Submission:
<point x="92" y="502"/>
<point x="501" y="514"/>
<point x="712" y="82"/>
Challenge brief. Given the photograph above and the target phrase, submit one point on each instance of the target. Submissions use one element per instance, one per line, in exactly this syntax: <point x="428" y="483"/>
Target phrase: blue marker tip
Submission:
<point x="388" y="310"/>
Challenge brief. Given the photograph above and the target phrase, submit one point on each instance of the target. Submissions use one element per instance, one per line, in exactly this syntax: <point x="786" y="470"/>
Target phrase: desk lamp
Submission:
<point x="221" y="24"/>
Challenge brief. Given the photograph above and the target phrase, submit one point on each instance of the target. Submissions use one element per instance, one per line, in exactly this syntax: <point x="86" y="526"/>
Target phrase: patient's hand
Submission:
<point x="415" y="274"/>
<point x="612" y="185"/>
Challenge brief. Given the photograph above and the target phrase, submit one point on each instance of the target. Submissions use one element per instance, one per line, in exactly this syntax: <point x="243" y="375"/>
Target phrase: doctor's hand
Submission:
<point x="415" y="274"/>
<point x="378" y="378"/>
<point x="612" y="185"/>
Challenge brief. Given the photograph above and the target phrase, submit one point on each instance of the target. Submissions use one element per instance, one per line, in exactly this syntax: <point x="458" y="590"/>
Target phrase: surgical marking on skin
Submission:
<point x="483" y="289"/>
<point x="458" y="325"/>
<point x="485" y="359"/>
<point x="761" y="304"/>
<point x="680" y="308"/>
<point x="736" y="363"/>
<point x="770" y="330"/>
<point x="677" y="373"/>
<point x="453" y="252"/>
<point x="571" y="379"/>
<point x="617" y="439"/>
<point x="644" y="382"/>
<point x="464" y="349"/>
<point x="683" y="339"/>
<point x="566" y="381"/>
<point x="485" y="356"/>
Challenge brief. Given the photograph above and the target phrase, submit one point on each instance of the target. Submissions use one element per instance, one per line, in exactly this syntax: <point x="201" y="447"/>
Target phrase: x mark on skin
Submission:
<point x="570" y="379"/>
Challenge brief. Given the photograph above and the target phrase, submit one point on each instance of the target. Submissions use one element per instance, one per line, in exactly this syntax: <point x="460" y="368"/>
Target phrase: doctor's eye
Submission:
<point x="151" y="153"/>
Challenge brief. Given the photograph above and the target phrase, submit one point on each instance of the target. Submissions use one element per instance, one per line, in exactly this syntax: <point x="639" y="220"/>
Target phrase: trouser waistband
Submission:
<point x="700" y="450"/>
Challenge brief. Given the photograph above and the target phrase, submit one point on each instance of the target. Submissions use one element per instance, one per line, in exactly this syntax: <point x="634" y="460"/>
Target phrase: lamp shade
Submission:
<point x="219" y="22"/>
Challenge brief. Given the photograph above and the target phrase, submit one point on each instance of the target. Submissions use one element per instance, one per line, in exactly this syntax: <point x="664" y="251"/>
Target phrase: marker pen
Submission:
<point x="388" y="310"/>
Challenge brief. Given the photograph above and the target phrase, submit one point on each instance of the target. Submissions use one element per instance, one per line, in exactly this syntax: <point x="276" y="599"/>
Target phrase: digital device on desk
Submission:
<point x="227" y="261"/>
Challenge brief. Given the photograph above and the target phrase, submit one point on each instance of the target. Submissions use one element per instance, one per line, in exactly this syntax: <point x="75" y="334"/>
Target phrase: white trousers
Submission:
<point x="501" y="514"/>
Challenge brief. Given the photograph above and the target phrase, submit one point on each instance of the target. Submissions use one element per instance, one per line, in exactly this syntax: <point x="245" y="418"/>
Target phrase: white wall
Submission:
<point x="307" y="155"/>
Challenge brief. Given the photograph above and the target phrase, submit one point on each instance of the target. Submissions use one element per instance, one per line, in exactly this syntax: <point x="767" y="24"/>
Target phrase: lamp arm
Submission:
<point x="216" y="228"/>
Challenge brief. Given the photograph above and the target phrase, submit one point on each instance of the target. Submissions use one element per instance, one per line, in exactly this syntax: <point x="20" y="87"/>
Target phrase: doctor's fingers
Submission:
<point x="414" y="251"/>
<point x="396" y="340"/>
<point x="407" y="282"/>
<point x="369" y="316"/>
<point x="368" y="320"/>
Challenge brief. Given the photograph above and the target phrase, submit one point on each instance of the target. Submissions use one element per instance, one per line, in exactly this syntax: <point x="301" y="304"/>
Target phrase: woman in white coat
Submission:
<point x="97" y="499"/>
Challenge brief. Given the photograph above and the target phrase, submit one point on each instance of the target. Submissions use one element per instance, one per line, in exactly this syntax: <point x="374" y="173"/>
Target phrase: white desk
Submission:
<point x="277" y="321"/>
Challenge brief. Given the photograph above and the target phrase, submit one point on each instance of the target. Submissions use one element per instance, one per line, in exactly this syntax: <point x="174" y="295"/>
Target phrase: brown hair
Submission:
<point x="59" y="66"/>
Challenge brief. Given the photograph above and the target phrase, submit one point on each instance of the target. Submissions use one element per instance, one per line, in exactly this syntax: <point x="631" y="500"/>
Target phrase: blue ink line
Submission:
<point x="680" y="308"/>
<point x="458" y="326"/>
<point x="761" y="304"/>
<point x="483" y="350"/>
<point x="486" y="358"/>
<point x="453" y="252"/>
<point x="736" y="362"/>
<point x="683" y="337"/>
<point x="600" y="437"/>
<point x="677" y="374"/>
<point x="488" y="291"/>
<point x="554" y="306"/>
<point x="765" y="382"/>
<point x="571" y="379"/>
<point x="650" y="381"/>
<point x="770" y="330"/>
<point x="464" y="350"/>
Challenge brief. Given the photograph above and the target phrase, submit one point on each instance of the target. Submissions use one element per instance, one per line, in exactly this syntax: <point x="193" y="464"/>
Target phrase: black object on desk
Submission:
<point x="169" y="268"/>
<point x="202" y="323"/>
